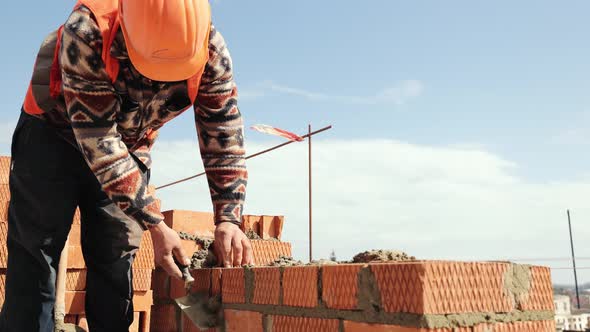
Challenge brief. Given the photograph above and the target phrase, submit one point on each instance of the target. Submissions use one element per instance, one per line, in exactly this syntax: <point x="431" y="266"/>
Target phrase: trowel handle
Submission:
<point x="184" y="269"/>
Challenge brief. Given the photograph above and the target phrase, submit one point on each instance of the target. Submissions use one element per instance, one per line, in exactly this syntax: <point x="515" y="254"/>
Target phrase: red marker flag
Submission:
<point x="276" y="131"/>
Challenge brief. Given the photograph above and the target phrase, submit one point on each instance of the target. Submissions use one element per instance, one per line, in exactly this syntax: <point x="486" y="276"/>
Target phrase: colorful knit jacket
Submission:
<point x="108" y="121"/>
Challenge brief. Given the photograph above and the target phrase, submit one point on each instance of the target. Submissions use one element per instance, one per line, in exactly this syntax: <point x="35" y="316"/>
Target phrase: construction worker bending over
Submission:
<point x="103" y="84"/>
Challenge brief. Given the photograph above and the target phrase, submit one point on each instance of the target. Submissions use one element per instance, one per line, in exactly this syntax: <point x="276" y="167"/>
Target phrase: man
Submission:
<point x="102" y="86"/>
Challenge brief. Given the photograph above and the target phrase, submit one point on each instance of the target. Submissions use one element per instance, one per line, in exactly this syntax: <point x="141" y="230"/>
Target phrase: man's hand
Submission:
<point x="232" y="246"/>
<point x="167" y="243"/>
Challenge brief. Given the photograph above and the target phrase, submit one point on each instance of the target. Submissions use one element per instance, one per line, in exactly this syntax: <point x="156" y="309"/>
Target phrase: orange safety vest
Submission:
<point x="46" y="83"/>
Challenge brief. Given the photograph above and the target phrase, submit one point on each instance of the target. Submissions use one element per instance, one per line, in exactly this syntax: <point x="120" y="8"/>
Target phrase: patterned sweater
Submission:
<point x="108" y="121"/>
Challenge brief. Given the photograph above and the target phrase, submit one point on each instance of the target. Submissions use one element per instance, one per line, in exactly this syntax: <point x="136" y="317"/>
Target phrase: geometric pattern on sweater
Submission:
<point x="108" y="122"/>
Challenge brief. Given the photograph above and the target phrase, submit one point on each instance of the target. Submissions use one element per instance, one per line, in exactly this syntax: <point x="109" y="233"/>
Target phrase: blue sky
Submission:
<point x="511" y="76"/>
<point x="506" y="78"/>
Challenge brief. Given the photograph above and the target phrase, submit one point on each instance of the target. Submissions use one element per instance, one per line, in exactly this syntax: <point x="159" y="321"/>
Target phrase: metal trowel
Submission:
<point x="198" y="307"/>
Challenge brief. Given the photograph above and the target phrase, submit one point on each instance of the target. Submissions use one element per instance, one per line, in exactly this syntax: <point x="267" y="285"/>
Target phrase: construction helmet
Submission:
<point x="167" y="40"/>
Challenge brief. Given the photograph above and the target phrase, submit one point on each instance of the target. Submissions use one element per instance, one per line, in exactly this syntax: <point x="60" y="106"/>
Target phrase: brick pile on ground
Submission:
<point x="76" y="270"/>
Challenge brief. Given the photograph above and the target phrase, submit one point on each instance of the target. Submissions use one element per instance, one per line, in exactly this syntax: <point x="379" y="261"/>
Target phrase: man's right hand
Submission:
<point x="167" y="247"/>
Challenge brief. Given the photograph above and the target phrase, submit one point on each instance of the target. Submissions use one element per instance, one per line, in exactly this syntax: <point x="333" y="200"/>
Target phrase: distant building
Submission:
<point x="568" y="320"/>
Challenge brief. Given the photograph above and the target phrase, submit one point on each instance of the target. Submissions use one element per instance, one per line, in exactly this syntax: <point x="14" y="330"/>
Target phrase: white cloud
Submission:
<point x="397" y="94"/>
<point x="433" y="202"/>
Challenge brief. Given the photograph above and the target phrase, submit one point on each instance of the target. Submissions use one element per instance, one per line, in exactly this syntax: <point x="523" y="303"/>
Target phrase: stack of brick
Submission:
<point x="267" y="247"/>
<point x="421" y="296"/>
<point x="76" y="269"/>
<point x="143" y="266"/>
<point x="4" y="201"/>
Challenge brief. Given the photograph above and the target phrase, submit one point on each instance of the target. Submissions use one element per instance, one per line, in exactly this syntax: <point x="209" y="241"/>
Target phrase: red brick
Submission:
<point x="75" y="236"/>
<point x="457" y="287"/>
<point x="350" y="326"/>
<point x="243" y="321"/>
<point x="76" y="280"/>
<point x="271" y="227"/>
<point x="3" y="248"/>
<point x="134" y="327"/>
<point x="4" y="211"/>
<point x="76" y="220"/>
<point x="202" y="280"/>
<point x="142" y="301"/>
<point x="4" y="169"/>
<point x="75" y="258"/>
<point x="300" y="286"/>
<point x="192" y="222"/>
<point x="251" y="223"/>
<point x="145" y="318"/>
<point x="266" y="252"/>
<point x="2" y="286"/>
<point x="442" y="287"/>
<point x="267" y="285"/>
<point x="267" y="227"/>
<point x="540" y="295"/>
<point x="71" y="319"/>
<point x="232" y="285"/>
<point x="216" y="281"/>
<point x="160" y="284"/>
<point x="296" y="324"/>
<point x="142" y="279"/>
<point x="74" y="301"/>
<point x="144" y="258"/>
<point x="188" y="326"/>
<point x="164" y="318"/>
<point x="531" y="326"/>
<point x="177" y="288"/>
<point x="83" y="322"/>
<point x="4" y="193"/>
<point x="340" y="286"/>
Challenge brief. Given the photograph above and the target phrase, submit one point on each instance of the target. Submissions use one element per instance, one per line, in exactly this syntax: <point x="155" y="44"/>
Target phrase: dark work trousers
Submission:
<point x="48" y="179"/>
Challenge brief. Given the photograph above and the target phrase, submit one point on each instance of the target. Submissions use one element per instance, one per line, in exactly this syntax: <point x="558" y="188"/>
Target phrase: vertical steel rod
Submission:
<point x="569" y="221"/>
<point x="310" y="201"/>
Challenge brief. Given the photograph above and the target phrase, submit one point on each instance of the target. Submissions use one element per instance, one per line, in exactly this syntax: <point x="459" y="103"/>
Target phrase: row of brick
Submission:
<point x="4" y="169"/>
<point x="141" y="321"/>
<point x="142" y="303"/>
<point x="168" y="318"/>
<point x="76" y="279"/>
<point x="251" y="321"/>
<point x="422" y="288"/>
<point x="427" y="287"/>
<point x="167" y="288"/>
<point x="201" y="224"/>
<point x="144" y="258"/>
<point x="74" y="299"/>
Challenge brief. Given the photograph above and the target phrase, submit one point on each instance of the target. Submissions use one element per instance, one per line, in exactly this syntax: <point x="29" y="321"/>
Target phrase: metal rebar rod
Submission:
<point x="569" y="221"/>
<point x="248" y="157"/>
<point x="310" y="200"/>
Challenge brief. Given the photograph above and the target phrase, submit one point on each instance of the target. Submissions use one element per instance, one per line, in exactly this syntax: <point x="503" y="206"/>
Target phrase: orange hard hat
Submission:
<point x="166" y="39"/>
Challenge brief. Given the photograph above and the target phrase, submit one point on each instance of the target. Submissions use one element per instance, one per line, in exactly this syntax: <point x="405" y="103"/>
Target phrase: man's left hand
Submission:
<point x="232" y="246"/>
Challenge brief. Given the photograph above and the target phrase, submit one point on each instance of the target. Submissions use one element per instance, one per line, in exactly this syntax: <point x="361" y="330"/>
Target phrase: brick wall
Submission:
<point x="440" y="296"/>
<point x="437" y="296"/>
